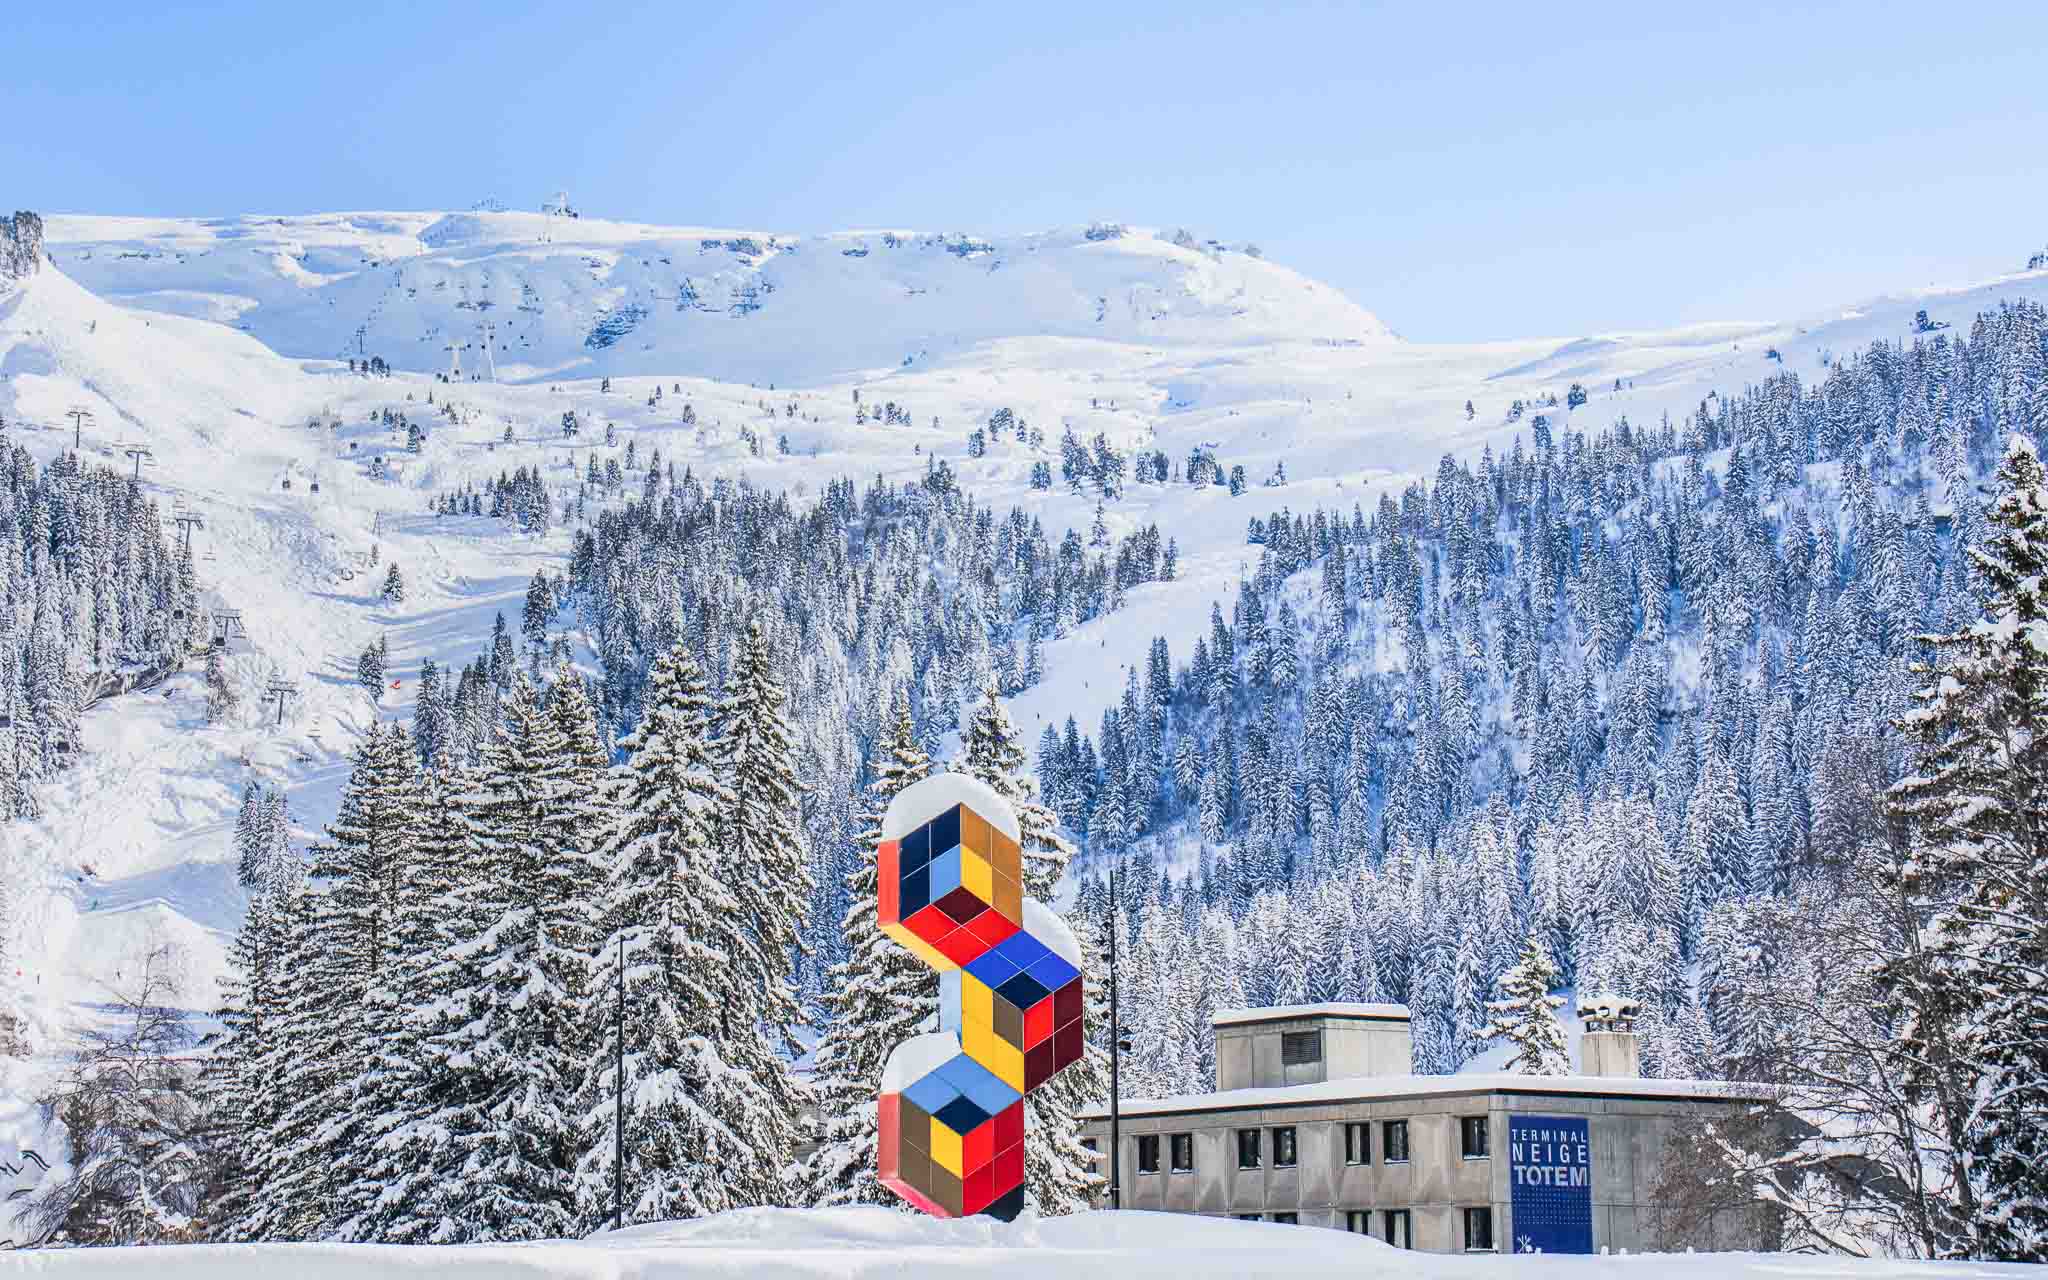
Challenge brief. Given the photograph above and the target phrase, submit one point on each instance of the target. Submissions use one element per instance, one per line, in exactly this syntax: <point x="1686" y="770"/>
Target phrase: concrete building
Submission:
<point x="1320" y="1121"/>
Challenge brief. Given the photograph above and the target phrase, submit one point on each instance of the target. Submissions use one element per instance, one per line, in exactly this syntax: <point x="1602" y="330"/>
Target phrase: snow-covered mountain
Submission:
<point x="220" y="345"/>
<point x="1205" y="347"/>
<point x="580" y="297"/>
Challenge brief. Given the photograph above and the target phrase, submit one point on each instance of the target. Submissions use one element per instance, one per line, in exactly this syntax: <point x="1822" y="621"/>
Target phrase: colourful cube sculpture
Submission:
<point x="952" y="887"/>
<point x="1010" y="999"/>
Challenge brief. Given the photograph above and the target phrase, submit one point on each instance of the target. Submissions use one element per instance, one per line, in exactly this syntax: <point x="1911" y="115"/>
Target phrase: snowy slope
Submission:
<point x="1237" y="355"/>
<point x="845" y="1243"/>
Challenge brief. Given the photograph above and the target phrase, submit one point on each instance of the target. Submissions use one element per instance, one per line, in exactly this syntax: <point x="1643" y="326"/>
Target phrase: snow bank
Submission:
<point x="872" y="1241"/>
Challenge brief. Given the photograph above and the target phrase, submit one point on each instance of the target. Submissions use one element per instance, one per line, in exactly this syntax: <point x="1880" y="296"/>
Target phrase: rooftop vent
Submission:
<point x="1609" y="1047"/>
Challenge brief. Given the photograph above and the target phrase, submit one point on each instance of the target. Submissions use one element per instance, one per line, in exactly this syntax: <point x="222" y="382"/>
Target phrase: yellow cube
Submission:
<point x="946" y="1149"/>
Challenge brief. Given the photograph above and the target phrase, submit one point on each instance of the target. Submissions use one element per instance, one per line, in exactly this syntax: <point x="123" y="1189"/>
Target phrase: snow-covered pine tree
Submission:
<point x="369" y="869"/>
<point x="516" y="1062"/>
<point x="1058" y="1170"/>
<point x="413" y="1160"/>
<point x="248" y="839"/>
<point x="1526" y="1014"/>
<point x="220" y="691"/>
<point x="1980" y="866"/>
<point x="331" y="946"/>
<point x="879" y="996"/>
<point x="431" y="715"/>
<point x="993" y="756"/>
<point x="683" y="1110"/>
<point x="241" y="1108"/>
<point x="762" y="863"/>
<point x="370" y="669"/>
<point x="394" y="585"/>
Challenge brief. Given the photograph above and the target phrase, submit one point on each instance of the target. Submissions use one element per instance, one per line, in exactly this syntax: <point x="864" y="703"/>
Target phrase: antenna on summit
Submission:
<point x="559" y="207"/>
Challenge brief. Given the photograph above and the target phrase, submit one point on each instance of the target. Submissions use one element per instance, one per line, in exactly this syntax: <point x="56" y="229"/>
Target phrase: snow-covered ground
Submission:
<point x="841" y="1244"/>
<point x="218" y="345"/>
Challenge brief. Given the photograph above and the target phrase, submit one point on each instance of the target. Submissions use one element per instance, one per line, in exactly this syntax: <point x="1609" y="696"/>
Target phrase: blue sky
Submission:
<point x="1466" y="171"/>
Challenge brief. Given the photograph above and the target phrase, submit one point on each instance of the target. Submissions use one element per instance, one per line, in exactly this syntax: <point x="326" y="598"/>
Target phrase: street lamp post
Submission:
<point x="1116" y="1046"/>
<point x="619" y="1100"/>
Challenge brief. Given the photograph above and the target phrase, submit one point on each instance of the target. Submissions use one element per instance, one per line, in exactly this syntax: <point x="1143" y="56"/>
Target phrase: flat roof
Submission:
<point x="1331" y="1009"/>
<point x="1388" y="1088"/>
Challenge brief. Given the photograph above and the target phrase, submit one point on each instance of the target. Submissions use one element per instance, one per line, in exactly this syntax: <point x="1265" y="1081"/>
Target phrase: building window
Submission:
<point x="1472" y="1136"/>
<point x="1358" y="1221"/>
<point x="1183" y="1146"/>
<point x="1479" y="1230"/>
<point x="1287" y="1219"/>
<point x="1247" y="1148"/>
<point x="1394" y="1142"/>
<point x="1088" y="1143"/>
<point x="1148" y="1153"/>
<point x="1251" y="1217"/>
<point x="1301" y="1048"/>
<point x="1283" y="1147"/>
<point x="1358" y="1143"/>
<point x="1396" y="1221"/>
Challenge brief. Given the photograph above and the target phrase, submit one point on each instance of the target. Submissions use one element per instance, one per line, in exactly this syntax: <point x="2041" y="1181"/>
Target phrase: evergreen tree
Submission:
<point x="221" y="699"/>
<point x="1526" y="1015"/>
<point x="1976" y="805"/>
<point x="394" y="585"/>
<point x="517" y="1060"/>
<point x="370" y="668"/>
<point x="764" y="865"/>
<point x="661" y="906"/>
<point x="332" y="945"/>
<point x="411" y="1088"/>
<point x="432" y="716"/>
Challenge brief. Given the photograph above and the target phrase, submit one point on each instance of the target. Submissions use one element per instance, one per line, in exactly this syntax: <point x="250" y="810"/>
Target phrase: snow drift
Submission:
<point x="844" y="1244"/>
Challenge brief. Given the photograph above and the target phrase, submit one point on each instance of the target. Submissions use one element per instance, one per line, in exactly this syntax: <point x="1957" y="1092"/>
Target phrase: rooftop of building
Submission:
<point x="1394" y="1088"/>
<point x="1328" y="1009"/>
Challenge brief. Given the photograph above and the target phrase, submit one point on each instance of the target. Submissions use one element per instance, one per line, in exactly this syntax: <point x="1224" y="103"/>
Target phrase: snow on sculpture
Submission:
<point x="952" y="1102"/>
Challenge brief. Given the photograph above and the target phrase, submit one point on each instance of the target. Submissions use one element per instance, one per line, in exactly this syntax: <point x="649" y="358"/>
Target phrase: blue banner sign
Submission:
<point x="1550" y="1184"/>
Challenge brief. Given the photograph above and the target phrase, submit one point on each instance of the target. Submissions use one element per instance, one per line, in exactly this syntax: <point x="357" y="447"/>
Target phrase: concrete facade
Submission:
<point x="1629" y="1123"/>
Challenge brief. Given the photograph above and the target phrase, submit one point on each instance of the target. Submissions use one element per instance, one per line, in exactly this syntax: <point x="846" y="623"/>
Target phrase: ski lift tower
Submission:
<point x="79" y="415"/>
<point x="454" y="360"/>
<point x="187" y="521"/>
<point x="490" y="348"/>
<point x="228" y="623"/>
<point x="280" y="691"/>
<point x="141" y="453"/>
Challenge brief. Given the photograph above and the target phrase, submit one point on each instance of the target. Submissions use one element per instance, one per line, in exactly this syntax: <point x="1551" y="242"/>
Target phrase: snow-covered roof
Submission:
<point x="920" y="802"/>
<point x="1384" y="1088"/>
<point x="1328" y="1009"/>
